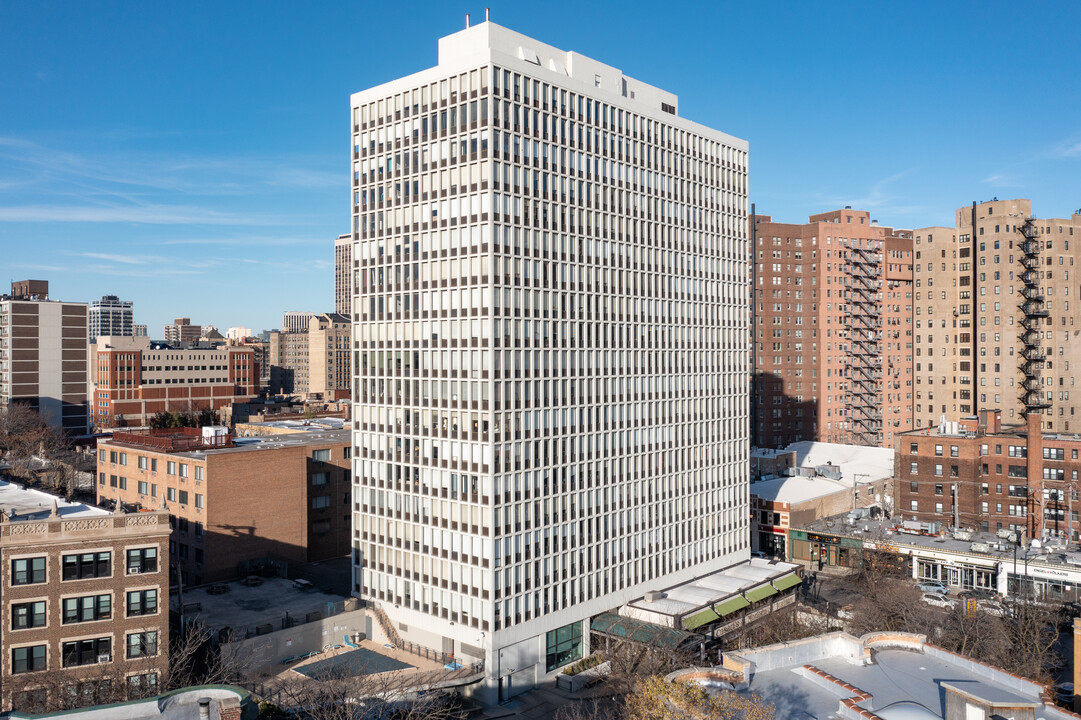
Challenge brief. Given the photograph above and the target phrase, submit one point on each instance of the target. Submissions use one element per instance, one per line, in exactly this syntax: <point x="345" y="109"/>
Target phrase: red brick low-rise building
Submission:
<point x="980" y="475"/>
<point x="235" y="503"/>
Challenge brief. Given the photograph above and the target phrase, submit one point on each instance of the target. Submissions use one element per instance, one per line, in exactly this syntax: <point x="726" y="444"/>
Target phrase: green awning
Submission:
<point x="760" y="593"/>
<point x="698" y="620"/>
<point x="787" y="581"/>
<point x="729" y="606"/>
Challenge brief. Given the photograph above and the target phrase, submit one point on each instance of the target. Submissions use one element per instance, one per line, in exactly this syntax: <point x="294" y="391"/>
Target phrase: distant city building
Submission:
<point x="135" y="378"/>
<point x="140" y="330"/>
<point x="43" y="358"/>
<point x="315" y="363"/>
<point x="329" y="366"/>
<point x="111" y="316"/>
<point x="288" y="363"/>
<point x="237" y="333"/>
<point x="182" y="331"/>
<point x="832" y="330"/>
<point x="86" y="601"/>
<point x="234" y="503"/>
<point x="294" y="321"/>
<point x="210" y="334"/>
<point x="969" y="311"/>
<point x="343" y="275"/>
<point x="551" y="336"/>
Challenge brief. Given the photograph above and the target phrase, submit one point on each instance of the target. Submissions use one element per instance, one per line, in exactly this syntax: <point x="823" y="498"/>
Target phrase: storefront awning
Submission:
<point x="787" y="581"/>
<point x="699" y="619"/>
<point x="731" y="605"/>
<point x="760" y="593"/>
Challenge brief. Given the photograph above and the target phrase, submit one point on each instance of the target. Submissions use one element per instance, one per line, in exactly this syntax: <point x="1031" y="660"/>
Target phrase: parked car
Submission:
<point x="938" y="600"/>
<point x="978" y="594"/>
<point x="933" y="586"/>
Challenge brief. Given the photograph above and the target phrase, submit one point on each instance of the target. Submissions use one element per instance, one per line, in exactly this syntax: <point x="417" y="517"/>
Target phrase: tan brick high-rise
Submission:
<point x="967" y="316"/>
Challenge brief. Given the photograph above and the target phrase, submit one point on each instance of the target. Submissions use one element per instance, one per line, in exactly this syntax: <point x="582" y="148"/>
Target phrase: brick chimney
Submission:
<point x="229" y="709"/>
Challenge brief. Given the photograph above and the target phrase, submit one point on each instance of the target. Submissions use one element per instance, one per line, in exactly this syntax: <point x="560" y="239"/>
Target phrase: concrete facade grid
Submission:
<point x="551" y="376"/>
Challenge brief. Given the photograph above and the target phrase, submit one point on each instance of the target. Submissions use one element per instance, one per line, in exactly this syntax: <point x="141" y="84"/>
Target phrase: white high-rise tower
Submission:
<point x="552" y="357"/>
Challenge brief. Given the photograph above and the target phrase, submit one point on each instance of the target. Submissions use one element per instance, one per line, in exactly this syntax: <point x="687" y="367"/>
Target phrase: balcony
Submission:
<point x="174" y="439"/>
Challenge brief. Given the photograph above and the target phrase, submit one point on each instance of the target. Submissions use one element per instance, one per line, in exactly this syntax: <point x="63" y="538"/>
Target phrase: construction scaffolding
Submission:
<point x="864" y="319"/>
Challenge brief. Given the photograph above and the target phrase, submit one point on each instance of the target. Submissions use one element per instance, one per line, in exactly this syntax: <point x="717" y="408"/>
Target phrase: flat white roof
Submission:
<point x="30" y="504"/>
<point x="797" y="489"/>
<point x="712" y="588"/>
<point x="869" y="463"/>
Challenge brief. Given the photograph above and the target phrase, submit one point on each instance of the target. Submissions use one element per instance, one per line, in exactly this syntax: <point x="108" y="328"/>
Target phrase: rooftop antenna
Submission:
<point x="467" y="20"/>
<point x="487" y="14"/>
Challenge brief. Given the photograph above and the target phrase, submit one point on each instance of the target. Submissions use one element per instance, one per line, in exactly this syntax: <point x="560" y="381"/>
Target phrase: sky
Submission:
<point x="194" y="157"/>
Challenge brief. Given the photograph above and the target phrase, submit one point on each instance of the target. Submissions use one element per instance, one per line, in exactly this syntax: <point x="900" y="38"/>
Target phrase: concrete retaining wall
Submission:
<point x="265" y="651"/>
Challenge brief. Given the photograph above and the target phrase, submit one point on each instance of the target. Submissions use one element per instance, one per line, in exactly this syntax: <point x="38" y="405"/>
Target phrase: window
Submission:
<point x="183" y="470"/>
<point x="142" y="560"/>
<point x="321" y="455"/>
<point x="913" y="506"/>
<point x="319" y="478"/>
<point x="170" y="467"/>
<point x="144" y="644"/>
<point x="142" y="602"/>
<point x="170" y="494"/>
<point x="27" y="659"/>
<point x="564" y="645"/>
<point x="87" y="609"/>
<point x="28" y="571"/>
<point x="183" y="497"/>
<point x="142" y="462"/>
<point x="153" y="464"/>
<point x="938" y="469"/>
<point x="88" y="565"/>
<point x="198" y="500"/>
<point x="144" y="488"/>
<point x="913" y="468"/>
<point x="913" y="448"/>
<point x="143" y="685"/>
<point x="320" y="501"/>
<point x="28" y="615"/>
<point x="953" y="451"/>
<point x="198" y="472"/>
<point x="87" y="652"/>
<point x="938" y="450"/>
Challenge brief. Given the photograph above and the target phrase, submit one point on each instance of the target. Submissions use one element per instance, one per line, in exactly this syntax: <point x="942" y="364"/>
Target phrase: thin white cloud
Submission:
<point x="146" y="214"/>
<point x="1068" y="149"/>
<point x="1001" y="180"/>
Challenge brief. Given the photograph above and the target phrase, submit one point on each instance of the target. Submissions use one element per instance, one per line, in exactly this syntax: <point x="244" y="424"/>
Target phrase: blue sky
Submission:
<point x="193" y="157"/>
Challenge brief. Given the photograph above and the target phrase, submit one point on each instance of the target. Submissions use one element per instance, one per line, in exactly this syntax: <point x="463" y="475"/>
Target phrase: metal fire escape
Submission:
<point x="1033" y="314"/>
<point x="864" y="316"/>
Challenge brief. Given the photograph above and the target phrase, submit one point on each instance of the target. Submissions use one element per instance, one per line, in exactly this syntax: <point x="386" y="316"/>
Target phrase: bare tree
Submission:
<point x="655" y="698"/>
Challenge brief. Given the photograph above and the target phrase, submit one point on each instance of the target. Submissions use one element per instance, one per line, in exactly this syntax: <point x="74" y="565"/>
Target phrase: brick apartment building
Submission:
<point x="136" y="379"/>
<point x="985" y="476"/>
<point x="43" y="358"/>
<point x="232" y="502"/>
<point x="85" y="597"/>
<point x="968" y="316"/>
<point x="832" y="326"/>
<point x="315" y="363"/>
